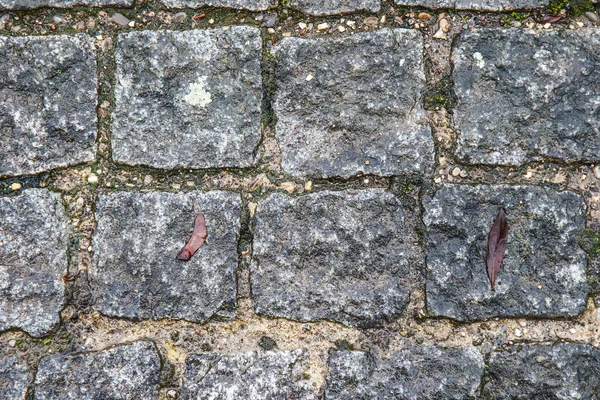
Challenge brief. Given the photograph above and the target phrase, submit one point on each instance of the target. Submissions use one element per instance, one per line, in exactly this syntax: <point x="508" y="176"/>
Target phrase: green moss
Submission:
<point x="267" y="343"/>
<point x="589" y="241"/>
<point x="441" y="96"/>
<point x="574" y="7"/>
<point x="557" y="5"/>
<point x="343" y="345"/>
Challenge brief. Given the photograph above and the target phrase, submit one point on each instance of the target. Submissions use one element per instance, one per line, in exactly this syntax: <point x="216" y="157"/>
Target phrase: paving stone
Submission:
<point x="256" y="376"/>
<point x="340" y="256"/>
<point x="527" y="95"/>
<point x="29" y="4"/>
<point x="188" y="99"/>
<point x="351" y="105"/>
<point x="14" y="377"/>
<point x="489" y="5"/>
<point x="47" y="103"/>
<point x="130" y="371"/>
<point x="33" y="256"/>
<point x="543" y="273"/>
<point x="253" y="5"/>
<point x="413" y="373"/>
<point x="135" y="273"/>
<point x="325" y="7"/>
<point x="560" y="371"/>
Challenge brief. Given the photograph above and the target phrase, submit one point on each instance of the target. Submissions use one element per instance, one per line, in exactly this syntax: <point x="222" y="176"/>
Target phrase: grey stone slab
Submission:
<point x="135" y="273"/>
<point x="188" y="99"/>
<point x="253" y="5"/>
<point x="482" y="5"/>
<point x="130" y="371"/>
<point x="543" y="273"/>
<point x="413" y="373"/>
<point x="268" y="375"/>
<point x="47" y="103"/>
<point x="340" y="256"/>
<point x="14" y="377"/>
<point x="560" y="371"/>
<point x="527" y="95"/>
<point x="29" y="4"/>
<point x="351" y="105"/>
<point x="325" y="7"/>
<point x="33" y="256"/>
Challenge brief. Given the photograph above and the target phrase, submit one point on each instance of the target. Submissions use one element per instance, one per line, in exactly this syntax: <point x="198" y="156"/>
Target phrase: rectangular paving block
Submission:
<point x="325" y="7"/>
<point x="480" y="5"/>
<point x="339" y="256"/>
<point x="33" y="256"/>
<point x="413" y="373"/>
<point x="48" y="89"/>
<point x="130" y="371"/>
<point x="188" y="99"/>
<point x="135" y="273"/>
<point x="29" y="4"/>
<point x="14" y="378"/>
<point x="253" y="5"/>
<point x="543" y="273"/>
<point x="351" y="105"/>
<point x="544" y="371"/>
<point x="526" y="95"/>
<point x="270" y="375"/>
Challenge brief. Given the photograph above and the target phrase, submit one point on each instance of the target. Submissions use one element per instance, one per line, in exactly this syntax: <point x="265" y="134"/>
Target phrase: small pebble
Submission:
<point x="456" y="171"/>
<point x="147" y="180"/>
<point x="547" y="25"/>
<point x="16" y="186"/>
<point x="371" y="21"/>
<point x="523" y="324"/>
<point x="323" y="26"/>
<point x="286" y="34"/>
<point x="12" y="343"/>
<point x="592" y="16"/>
<point x="580" y="24"/>
<point x="597" y="171"/>
<point x="463" y="174"/>
<point x="271" y="31"/>
<point x="288" y="187"/>
<point x="351" y="23"/>
<point x="518" y="333"/>
<point x="302" y="25"/>
<point x="92" y="178"/>
<point x="341" y="28"/>
<point x="308" y="186"/>
<point x="252" y="208"/>
<point x="438" y="180"/>
<point x="176" y="186"/>
<point x="131" y="24"/>
<point x="179" y="17"/>
<point x="57" y="19"/>
<point x="211" y="21"/>
<point x="172" y="394"/>
<point x="119" y="19"/>
<point x="309" y="77"/>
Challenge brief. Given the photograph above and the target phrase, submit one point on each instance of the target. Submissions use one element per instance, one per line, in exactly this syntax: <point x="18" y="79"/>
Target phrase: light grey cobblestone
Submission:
<point x="14" y="377"/>
<point x="29" y="4"/>
<point x="253" y="5"/>
<point x="325" y="7"/>
<point x="481" y="5"/>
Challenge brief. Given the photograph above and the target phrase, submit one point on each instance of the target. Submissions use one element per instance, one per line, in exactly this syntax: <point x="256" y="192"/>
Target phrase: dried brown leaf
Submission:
<point x="497" y="241"/>
<point x="196" y="240"/>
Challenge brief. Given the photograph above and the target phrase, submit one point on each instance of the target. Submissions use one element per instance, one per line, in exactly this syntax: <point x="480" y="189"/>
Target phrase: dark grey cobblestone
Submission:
<point x="14" y="377"/>
<point x="256" y="376"/>
<point x="482" y="5"/>
<point x="340" y="256"/>
<point x="135" y="273"/>
<point x="543" y="273"/>
<point x="29" y="4"/>
<point x="539" y="371"/>
<point x="351" y="105"/>
<point x="188" y="99"/>
<point x="33" y="256"/>
<point x="413" y="373"/>
<point x="526" y="95"/>
<point x="253" y="5"/>
<point x="325" y="7"/>
<point x="130" y="371"/>
<point x="47" y="103"/>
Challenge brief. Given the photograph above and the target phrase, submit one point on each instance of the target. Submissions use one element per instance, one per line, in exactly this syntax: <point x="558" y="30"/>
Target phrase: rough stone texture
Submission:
<point x="324" y="7"/>
<point x="29" y="4"/>
<point x="47" y="103"/>
<point x="413" y="373"/>
<point x="129" y="371"/>
<point x="33" y="256"/>
<point x="14" y="377"/>
<point x="562" y="371"/>
<point x="543" y="273"/>
<point x="490" y="5"/>
<point x="258" y="376"/>
<point x="188" y="99"/>
<point x="340" y="256"/>
<point x="351" y="105"/>
<point x="253" y="5"/>
<point x="528" y="95"/>
<point x="135" y="273"/>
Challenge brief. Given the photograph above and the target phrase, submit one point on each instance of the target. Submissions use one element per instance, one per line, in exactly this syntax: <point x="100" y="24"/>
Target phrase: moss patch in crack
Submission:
<point x="442" y="96"/>
<point x="574" y="7"/>
<point x="589" y="241"/>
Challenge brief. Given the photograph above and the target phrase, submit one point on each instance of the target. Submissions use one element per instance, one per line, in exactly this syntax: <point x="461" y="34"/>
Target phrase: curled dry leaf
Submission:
<point x="196" y="240"/>
<point x="497" y="241"/>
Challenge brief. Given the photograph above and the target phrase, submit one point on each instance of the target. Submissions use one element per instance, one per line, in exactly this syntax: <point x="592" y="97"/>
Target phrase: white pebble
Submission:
<point x="323" y="26"/>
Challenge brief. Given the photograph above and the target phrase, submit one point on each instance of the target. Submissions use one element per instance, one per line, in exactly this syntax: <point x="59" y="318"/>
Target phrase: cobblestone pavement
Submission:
<point x="349" y="158"/>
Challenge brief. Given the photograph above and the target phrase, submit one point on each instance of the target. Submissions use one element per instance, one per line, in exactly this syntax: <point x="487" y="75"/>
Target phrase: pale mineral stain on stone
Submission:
<point x="198" y="95"/>
<point x="479" y="58"/>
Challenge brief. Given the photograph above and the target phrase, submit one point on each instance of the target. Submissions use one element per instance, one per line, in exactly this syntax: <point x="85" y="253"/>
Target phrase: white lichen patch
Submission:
<point x="479" y="58"/>
<point x="197" y="94"/>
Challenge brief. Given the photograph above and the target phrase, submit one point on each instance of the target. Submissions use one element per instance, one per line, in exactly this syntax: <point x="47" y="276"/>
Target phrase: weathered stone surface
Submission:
<point x="490" y="5"/>
<point x="413" y="373"/>
<point x="351" y="105"/>
<point x="561" y="371"/>
<point x="543" y="273"/>
<point x="188" y="99"/>
<point x="340" y="256"/>
<point x="33" y="256"/>
<point x="130" y="371"/>
<point x="526" y="95"/>
<point x="253" y="5"/>
<point x="28" y="4"/>
<point x="14" y="376"/>
<point x="47" y="103"/>
<point x="324" y="7"/>
<point x="135" y="273"/>
<point x="256" y="376"/>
